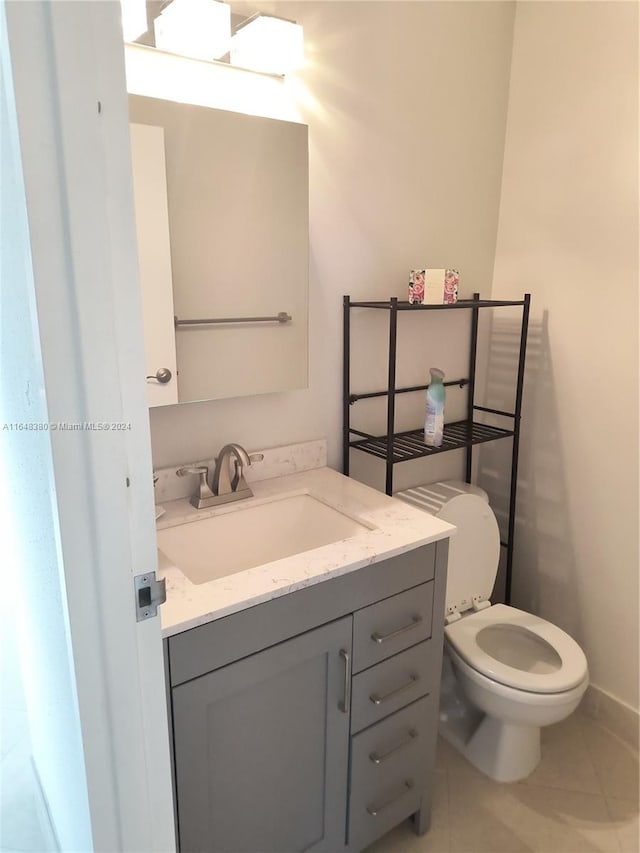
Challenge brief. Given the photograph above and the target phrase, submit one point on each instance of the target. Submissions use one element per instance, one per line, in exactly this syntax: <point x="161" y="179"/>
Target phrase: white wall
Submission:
<point x="406" y="106"/>
<point x="568" y="233"/>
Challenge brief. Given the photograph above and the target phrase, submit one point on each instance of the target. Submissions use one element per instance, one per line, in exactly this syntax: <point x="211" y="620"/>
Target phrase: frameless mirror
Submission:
<point x="222" y="218"/>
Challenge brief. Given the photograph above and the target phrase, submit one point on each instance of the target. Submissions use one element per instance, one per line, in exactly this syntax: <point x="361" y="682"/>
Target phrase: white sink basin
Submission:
<point x="251" y="535"/>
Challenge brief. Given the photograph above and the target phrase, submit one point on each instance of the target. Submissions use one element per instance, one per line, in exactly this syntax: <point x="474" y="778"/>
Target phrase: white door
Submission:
<point x="90" y="485"/>
<point x="154" y="260"/>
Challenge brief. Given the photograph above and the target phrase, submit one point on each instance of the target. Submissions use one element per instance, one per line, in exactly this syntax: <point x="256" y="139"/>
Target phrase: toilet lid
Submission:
<point x="473" y="552"/>
<point x="518" y="649"/>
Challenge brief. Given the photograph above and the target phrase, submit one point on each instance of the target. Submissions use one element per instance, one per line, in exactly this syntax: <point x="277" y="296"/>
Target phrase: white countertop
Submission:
<point x="396" y="529"/>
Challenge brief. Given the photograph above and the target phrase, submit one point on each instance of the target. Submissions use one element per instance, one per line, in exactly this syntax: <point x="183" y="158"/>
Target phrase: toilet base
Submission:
<point x="506" y="752"/>
<point x="497" y="727"/>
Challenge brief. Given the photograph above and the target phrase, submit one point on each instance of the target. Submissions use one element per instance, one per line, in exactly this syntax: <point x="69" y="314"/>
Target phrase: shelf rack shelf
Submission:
<point x="394" y="447"/>
<point x="410" y="445"/>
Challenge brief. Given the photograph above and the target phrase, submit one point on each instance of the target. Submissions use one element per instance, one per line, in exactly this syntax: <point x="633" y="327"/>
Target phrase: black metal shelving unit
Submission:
<point x="393" y="447"/>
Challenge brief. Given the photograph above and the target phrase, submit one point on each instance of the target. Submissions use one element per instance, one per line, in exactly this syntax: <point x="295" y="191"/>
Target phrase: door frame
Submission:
<point x="66" y="61"/>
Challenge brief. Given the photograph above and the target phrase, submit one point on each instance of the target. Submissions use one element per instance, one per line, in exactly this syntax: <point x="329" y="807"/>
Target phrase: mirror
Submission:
<point x="222" y="204"/>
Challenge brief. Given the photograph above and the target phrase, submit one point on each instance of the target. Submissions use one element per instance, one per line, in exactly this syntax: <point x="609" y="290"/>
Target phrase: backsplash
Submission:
<point x="277" y="462"/>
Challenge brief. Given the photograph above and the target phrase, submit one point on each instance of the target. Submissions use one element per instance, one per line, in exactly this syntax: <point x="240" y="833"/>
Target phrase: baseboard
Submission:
<point x="617" y="716"/>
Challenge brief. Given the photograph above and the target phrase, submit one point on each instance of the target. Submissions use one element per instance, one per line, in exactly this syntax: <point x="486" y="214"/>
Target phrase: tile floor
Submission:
<point x="582" y="798"/>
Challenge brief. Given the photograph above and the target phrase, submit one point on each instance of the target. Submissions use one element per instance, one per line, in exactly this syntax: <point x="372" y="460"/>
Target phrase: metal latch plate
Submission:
<point x="149" y="594"/>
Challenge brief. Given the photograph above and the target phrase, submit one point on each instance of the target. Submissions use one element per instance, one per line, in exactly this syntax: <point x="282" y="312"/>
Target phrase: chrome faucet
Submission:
<point x="228" y="482"/>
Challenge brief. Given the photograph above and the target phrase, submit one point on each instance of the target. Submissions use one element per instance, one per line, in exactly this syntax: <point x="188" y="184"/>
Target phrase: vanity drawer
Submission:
<point x="386" y="628"/>
<point x="392" y="684"/>
<point x="391" y="765"/>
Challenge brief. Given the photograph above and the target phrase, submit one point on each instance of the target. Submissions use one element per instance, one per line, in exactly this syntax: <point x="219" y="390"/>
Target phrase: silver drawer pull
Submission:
<point x="379" y="757"/>
<point x="345" y="704"/>
<point x="382" y="638"/>
<point x="374" y="811"/>
<point x="378" y="700"/>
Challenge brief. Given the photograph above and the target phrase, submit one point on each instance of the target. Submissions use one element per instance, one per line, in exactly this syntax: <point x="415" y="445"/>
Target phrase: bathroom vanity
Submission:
<point x="303" y="693"/>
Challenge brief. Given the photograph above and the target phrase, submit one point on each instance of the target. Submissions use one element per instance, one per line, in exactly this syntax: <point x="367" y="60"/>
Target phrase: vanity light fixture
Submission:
<point x="268" y="44"/>
<point x="196" y="28"/>
<point x="134" y="18"/>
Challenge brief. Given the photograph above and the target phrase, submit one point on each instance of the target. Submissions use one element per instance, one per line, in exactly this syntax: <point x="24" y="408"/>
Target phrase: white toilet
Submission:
<point x="506" y="673"/>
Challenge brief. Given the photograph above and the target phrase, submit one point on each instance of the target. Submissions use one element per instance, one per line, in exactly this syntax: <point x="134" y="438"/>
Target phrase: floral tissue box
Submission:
<point x="433" y="287"/>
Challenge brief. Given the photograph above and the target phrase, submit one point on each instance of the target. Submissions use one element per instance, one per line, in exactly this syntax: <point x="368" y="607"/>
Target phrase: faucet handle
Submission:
<point x="192" y="469"/>
<point x="203" y="496"/>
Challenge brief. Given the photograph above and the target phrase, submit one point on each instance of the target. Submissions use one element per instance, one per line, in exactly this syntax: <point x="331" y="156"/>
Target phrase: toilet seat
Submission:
<point x="518" y="649"/>
<point x="474" y="551"/>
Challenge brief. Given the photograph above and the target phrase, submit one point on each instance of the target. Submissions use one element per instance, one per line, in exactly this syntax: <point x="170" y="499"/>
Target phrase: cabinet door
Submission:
<point x="261" y="749"/>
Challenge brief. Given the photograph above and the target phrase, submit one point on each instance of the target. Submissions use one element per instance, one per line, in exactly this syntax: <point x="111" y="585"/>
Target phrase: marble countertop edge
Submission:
<point x="394" y="528"/>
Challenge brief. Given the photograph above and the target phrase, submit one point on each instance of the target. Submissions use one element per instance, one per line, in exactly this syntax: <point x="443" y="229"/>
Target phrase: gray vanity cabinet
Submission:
<point x="309" y="722"/>
<point x="261" y="749"/>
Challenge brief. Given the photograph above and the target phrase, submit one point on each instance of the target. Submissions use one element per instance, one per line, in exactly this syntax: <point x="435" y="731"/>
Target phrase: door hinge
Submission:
<point x="149" y="594"/>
